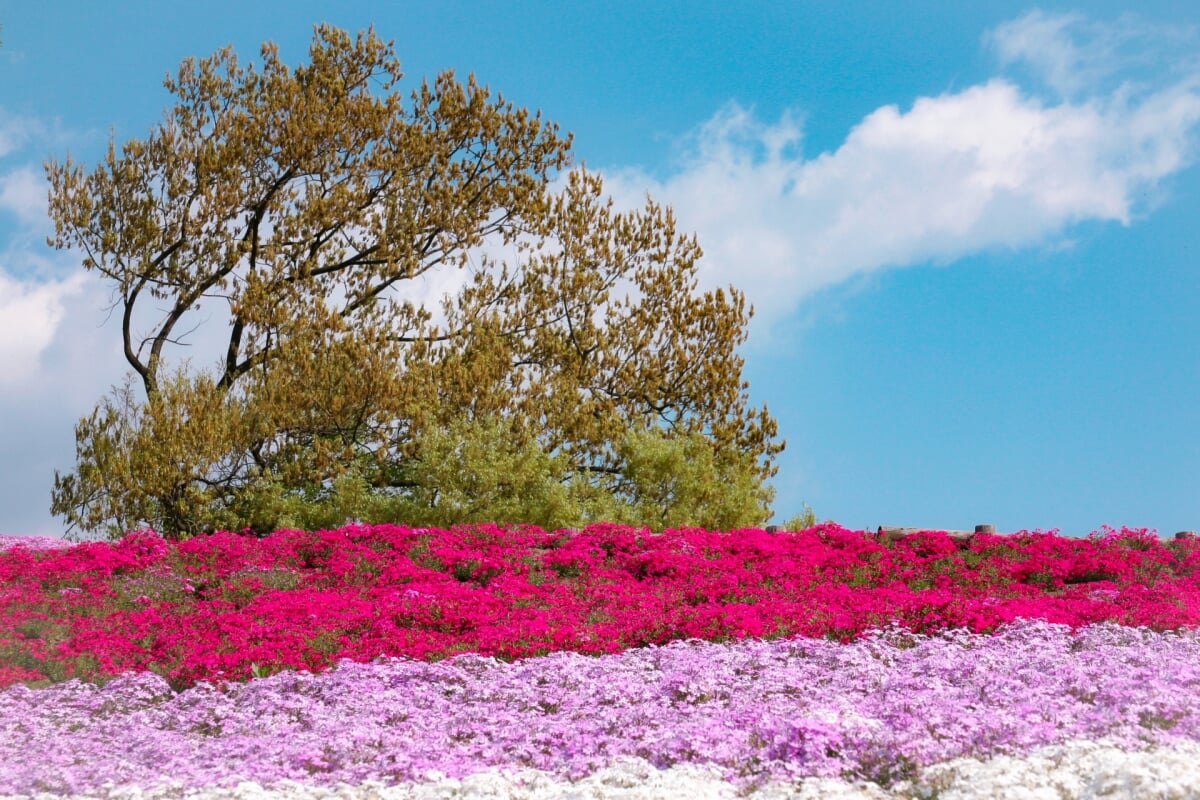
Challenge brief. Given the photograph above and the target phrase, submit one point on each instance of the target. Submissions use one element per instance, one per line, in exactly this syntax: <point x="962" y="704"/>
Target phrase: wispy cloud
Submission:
<point x="15" y="131"/>
<point x="1073" y="55"/>
<point x="994" y="165"/>
<point x="23" y="194"/>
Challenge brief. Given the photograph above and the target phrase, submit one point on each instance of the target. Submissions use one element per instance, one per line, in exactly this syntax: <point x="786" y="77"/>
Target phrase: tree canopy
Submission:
<point x="312" y="209"/>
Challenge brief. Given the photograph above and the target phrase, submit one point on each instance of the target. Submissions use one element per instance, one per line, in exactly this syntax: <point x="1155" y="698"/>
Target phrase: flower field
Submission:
<point x="401" y="658"/>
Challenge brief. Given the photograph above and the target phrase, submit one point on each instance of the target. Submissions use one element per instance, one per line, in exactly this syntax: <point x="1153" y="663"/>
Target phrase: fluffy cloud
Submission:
<point x="990" y="166"/>
<point x="30" y="314"/>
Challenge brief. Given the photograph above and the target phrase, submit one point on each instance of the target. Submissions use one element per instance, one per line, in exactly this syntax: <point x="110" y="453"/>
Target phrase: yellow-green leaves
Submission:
<point x="678" y="481"/>
<point x="802" y="521"/>
<point x="306" y="211"/>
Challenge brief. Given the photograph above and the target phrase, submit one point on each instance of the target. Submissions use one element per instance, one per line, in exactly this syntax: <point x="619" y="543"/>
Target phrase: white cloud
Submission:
<point x="990" y="166"/>
<point x="23" y="193"/>
<point x="1074" y="55"/>
<point x="16" y="131"/>
<point x="1044" y="42"/>
<point x="30" y="314"/>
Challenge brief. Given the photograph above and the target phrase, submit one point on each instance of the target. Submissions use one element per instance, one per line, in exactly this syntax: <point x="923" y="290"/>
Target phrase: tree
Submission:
<point x="802" y="521"/>
<point x="301" y="205"/>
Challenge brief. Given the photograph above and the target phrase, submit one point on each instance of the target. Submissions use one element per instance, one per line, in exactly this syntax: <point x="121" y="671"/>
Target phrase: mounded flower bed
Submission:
<point x="396" y="655"/>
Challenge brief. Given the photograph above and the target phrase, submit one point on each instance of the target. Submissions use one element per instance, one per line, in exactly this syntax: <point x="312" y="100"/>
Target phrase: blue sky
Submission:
<point x="969" y="229"/>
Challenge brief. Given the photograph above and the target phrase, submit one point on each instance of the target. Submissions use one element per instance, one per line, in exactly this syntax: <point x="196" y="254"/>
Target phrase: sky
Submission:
<point x="968" y="229"/>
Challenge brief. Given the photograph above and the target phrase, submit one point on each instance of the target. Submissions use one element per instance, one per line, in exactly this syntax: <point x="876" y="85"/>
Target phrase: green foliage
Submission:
<point x="673" y="481"/>
<point x="489" y="470"/>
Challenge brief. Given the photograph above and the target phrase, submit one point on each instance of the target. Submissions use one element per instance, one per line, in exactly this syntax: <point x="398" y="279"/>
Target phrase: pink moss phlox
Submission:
<point x="224" y="607"/>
